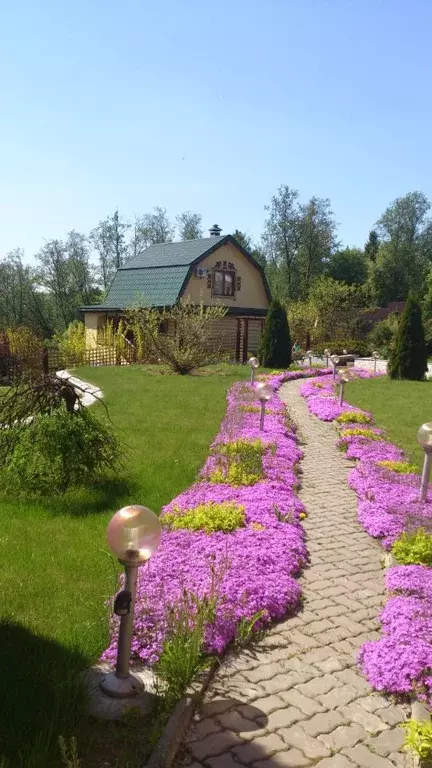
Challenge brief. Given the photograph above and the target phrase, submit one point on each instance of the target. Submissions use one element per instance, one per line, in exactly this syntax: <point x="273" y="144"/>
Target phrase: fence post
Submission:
<point x="45" y="361"/>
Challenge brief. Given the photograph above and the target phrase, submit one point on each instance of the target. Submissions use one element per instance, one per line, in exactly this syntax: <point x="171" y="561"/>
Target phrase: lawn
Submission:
<point x="57" y="572"/>
<point x="400" y="407"/>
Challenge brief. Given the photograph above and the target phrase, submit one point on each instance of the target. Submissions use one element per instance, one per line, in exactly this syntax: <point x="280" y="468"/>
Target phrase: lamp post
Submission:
<point x="254" y="364"/>
<point x="133" y="534"/>
<point x="375" y="356"/>
<point x="335" y="361"/>
<point x="327" y="353"/>
<point x="264" y="394"/>
<point x="424" y="436"/>
<point x="309" y="355"/>
<point x="345" y="377"/>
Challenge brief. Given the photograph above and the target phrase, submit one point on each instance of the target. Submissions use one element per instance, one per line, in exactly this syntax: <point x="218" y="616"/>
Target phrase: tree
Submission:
<point x="406" y="251"/>
<point x="109" y="241"/>
<point x="246" y="243"/>
<point x="150" y="229"/>
<point x="282" y="237"/>
<point x="55" y="276"/>
<point x="408" y="359"/>
<point x="372" y="245"/>
<point x="275" y="344"/>
<point x="82" y="272"/>
<point x="317" y="241"/>
<point x="189" y="225"/>
<point x="349" y="266"/>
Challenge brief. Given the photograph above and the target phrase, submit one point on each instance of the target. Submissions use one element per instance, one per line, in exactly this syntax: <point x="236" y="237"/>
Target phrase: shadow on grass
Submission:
<point x="102" y="496"/>
<point x="41" y="697"/>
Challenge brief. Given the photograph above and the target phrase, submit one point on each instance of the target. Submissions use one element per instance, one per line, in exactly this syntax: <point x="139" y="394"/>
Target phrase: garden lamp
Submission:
<point x="424" y="436"/>
<point x="309" y="355"/>
<point x="133" y="534"/>
<point x="335" y="362"/>
<point x="264" y="393"/>
<point x="345" y="351"/>
<point x="344" y="378"/>
<point x="254" y="364"/>
<point x="375" y="356"/>
<point x="327" y="353"/>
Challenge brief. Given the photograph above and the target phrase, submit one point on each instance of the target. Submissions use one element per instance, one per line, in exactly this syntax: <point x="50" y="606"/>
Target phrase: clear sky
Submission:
<point x="209" y="106"/>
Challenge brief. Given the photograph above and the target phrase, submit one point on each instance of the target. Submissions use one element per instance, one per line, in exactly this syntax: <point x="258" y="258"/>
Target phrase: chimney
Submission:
<point x="215" y="231"/>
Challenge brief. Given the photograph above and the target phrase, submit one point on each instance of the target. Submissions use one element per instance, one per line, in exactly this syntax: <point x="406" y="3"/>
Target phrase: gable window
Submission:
<point x="223" y="282"/>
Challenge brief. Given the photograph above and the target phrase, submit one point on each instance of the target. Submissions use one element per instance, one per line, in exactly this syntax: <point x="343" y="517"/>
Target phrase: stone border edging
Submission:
<point x="179" y="722"/>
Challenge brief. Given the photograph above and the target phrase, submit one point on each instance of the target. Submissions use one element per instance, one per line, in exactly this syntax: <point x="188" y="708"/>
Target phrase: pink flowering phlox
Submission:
<point x="249" y="570"/>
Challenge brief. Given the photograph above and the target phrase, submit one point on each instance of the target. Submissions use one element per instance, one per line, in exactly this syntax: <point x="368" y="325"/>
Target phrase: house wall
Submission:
<point x="91" y="320"/>
<point x="251" y="294"/>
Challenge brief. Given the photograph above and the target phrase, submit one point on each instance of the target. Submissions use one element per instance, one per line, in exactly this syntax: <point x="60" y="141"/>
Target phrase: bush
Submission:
<point x="408" y="359"/>
<point x="418" y="738"/>
<point x="275" y="344"/>
<point x="353" y="347"/>
<point x="414" y="548"/>
<point x="60" y="449"/>
<point x="354" y="417"/>
<point x="209" y="517"/>
<point x="186" y="337"/>
<point x="239" y="462"/>
<point x="401" y="467"/>
<point x="359" y="432"/>
<point x="382" y="335"/>
<point x="72" y="343"/>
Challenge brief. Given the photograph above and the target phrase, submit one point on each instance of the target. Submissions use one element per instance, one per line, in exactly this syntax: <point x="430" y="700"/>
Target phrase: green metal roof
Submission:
<point x="153" y="287"/>
<point x="173" y="254"/>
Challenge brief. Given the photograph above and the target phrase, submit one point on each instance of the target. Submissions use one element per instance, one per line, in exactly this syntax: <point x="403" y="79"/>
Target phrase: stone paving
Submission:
<point x="297" y="698"/>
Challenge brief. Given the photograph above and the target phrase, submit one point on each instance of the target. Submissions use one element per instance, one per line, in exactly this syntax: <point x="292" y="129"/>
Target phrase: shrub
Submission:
<point x="185" y="337"/>
<point x="359" y="432"/>
<point x="414" y="548"/>
<point x="355" y="417"/>
<point x="60" y="449"/>
<point x="401" y="467"/>
<point x="72" y="343"/>
<point x="408" y="359"/>
<point x="418" y="738"/>
<point x="240" y="462"/>
<point x="275" y="344"/>
<point x="382" y="335"/>
<point x="209" y="517"/>
<point x="353" y="347"/>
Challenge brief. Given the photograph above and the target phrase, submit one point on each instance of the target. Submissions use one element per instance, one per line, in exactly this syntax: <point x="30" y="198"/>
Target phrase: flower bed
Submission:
<point x="387" y="487"/>
<point x="247" y="556"/>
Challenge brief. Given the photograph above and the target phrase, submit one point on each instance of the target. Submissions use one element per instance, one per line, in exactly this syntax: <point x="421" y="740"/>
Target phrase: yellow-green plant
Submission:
<point x="414" y="548"/>
<point x="418" y="738"/>
<point x="226" y="516"/>
<point x="355" y="417"/>
<point x="401" y="467"/>
<point x="241" y="462"/>
<point x="72" y="342"/>
<point x="359" y="432"/>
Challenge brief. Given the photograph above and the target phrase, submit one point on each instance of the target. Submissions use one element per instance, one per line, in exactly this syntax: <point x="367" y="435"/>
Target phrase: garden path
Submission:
<point x="297" y="698"/>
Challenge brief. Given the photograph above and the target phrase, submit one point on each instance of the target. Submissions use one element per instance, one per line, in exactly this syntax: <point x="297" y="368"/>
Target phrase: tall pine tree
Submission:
<point x="408" y="360"/>
<point x="275" y="345"/>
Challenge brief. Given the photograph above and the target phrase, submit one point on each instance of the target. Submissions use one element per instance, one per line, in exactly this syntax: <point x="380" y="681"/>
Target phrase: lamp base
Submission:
<point x="121" y="687"/>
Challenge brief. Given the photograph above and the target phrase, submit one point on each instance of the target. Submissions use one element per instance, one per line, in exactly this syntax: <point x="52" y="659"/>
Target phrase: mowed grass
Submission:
<point x="400" y="407"/>
<point x="56" y="571"/>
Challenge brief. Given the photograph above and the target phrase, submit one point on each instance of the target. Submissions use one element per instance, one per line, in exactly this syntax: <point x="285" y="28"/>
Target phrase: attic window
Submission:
<point x="223" y="282"/>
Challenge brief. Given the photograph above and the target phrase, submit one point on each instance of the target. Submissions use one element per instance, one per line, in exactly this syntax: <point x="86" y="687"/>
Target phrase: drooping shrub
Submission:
<point x="60" y="449"/>
<point x="408" y="359"/>
<point x="414" y="548"/>
<point x="275" y="345"/>
<point x="209" y="517"/>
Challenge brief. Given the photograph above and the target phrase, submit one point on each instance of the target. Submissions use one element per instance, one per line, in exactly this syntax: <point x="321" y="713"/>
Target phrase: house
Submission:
<point x="211" y="270"/>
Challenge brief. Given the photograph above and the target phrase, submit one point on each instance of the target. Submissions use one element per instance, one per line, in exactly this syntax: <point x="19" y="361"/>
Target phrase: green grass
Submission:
<point x="400" y="407"/>
<point x="56" y="571"/>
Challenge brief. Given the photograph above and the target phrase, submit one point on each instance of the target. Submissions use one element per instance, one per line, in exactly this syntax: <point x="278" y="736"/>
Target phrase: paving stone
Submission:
<point x="372" y="703"/>
<point x="370" y="722"/>
<point x="258" y="748"/>
<point x="268" y="704"/>
<point x="344" y="736"/>
<point x="282" y="718"/>
<point x="362" y="756"/>
<point x="234" y="721"/>
<point x="213" y="745"/>
<point x="350" y="677"/>
<point x="297" y="737"/>
<point x="323" y="723"/>
<point x="290" y="759"/>
<point x="319" y="685"/>
<point x="304" y="703"/>
<point x="391" y="715"/>
<point x="205" y="727"/>
<point x="336" y="761"/>
<point x="338" y="697"/>
<point x="388" y="741"/>
<point x="224" y="761"/>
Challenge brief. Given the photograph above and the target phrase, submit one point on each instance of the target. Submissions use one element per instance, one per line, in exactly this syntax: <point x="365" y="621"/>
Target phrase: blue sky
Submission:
<point x="210" y="107"/>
